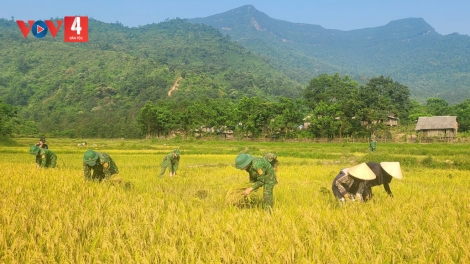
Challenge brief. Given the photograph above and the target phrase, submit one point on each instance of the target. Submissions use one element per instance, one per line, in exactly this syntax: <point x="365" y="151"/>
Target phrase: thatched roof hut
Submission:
<point x="437" y="126"/>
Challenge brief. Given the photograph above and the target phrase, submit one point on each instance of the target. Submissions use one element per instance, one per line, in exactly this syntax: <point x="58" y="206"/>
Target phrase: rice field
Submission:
<point x="55" y="216"/>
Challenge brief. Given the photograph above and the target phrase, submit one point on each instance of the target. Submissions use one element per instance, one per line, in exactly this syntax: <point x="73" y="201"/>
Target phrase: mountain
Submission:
<point x="409" y="50"/>
<point x="97" y="88"/>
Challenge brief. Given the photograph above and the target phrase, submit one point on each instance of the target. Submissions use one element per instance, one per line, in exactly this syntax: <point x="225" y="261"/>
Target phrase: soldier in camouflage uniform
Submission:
<point x="372" y="143"/>
<point x="101" y="163"/>
<point x="170" y="161"/>
<point x="272" y="158"/>
<point x="45" y="158"/>
<point x="261" y="173"/>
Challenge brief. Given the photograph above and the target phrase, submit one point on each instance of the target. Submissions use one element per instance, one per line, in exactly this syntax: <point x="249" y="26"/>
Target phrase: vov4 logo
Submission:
<point x="75" y="28"/>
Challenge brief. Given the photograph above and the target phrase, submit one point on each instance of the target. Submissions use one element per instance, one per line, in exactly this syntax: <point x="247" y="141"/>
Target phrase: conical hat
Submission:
<point x="362" y="171"/>
<point x="392" y="168"/>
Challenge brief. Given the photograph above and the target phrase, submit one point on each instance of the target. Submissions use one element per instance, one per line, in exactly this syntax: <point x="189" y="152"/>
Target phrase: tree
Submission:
<point x="7" y="112"/>
<point x="323" y="121"/>
<point x="329" y="89"/>
<point x="417" y="110"/>
<point x="462" y="111"/>
<point x="253" y="115"/>
<point x="437" y="107"/>
<point x="336" y="93"/>
<point x="288" y="114"/>
<point x="380" y="98"/>
<point x="147" y="120"/>
<point x="386" y="97"/>
<point x="164" y="120"/>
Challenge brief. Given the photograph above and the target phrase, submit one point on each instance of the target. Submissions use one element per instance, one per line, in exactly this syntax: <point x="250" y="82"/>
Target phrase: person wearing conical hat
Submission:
<point x="349" y="180"/>
<point x="101" y="163"/>
<point x="45" y="158"/>
<point x="384" y="172"/>
<point x="170" y="161"/>
<point x="261" y="174"/>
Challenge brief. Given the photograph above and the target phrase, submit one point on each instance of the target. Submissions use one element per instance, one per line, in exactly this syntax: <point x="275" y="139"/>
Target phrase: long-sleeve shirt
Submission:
<point x="261" y="172"/>
<point x="171" y="162"/>
<point x="343" y="181"/>
<point x="104" y="168"/>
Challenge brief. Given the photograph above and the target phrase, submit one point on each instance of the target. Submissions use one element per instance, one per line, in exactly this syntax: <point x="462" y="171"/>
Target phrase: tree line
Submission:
<point x="331" y="106"/>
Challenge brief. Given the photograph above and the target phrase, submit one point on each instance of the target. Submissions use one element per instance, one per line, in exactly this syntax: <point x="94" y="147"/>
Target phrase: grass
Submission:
<point x="54" y="216"/>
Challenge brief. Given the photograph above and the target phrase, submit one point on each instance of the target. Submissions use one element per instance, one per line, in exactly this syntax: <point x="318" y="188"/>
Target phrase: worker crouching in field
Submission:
<point x="261" y="174"/>
<point x="45" y="158"/>
<point x="170" y="161"/>
<point x="349" y="180"/>
<point x="384" y="173"/>
<point x="102" y="165"/>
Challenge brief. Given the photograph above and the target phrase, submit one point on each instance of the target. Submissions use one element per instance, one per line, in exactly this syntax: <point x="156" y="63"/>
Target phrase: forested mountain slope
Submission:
<point x="97" y="88"/>
<point x="409" y="50"/>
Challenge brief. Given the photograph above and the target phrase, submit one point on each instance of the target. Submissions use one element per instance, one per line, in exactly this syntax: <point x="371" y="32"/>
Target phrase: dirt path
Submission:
<point x="174" y="87"/>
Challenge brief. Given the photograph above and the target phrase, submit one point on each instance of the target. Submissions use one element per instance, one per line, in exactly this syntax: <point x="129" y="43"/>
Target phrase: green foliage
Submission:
<point x="7" y="141"/>
<point x="462" y="162"/>
<point x="428" y="162"/>
<point x="97" y="89"/>
<point x="323" y="122"/>
<point x="339" y="105"/>
<point x="7" y="112"/>
<point x="409" y="50"/>
<point x="330" y="89"/>
<point x="384" y="97"/>
<point x="462" y="111"/>
<point x="437" y="107"/>
<point x="250" y="117"/>
<point x="192" y="76"/>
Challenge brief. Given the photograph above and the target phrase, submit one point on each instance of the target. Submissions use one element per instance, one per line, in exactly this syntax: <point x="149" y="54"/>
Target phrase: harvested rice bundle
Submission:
<point x="236" y="197"/>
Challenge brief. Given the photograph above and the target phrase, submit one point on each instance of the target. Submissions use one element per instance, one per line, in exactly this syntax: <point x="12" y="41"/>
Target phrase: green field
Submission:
<point x="54" y="216"/>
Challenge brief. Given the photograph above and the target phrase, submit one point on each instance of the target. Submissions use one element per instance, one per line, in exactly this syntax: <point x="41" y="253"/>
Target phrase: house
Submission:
<point x="437" y="126"/>
<point x="391" y="121"/>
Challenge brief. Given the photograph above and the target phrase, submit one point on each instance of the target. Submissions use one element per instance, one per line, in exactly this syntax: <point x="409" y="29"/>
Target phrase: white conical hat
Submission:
<point x="362" y="171"/>
<point x="392" y="168"/>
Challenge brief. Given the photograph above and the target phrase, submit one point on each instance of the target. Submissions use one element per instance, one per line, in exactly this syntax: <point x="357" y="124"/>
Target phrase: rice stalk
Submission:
<point x="236" y="197"/>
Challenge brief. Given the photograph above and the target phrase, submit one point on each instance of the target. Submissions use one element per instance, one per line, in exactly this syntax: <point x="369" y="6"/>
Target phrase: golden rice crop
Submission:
<point x="236" y="197"/>
<point x="55" y="216"/>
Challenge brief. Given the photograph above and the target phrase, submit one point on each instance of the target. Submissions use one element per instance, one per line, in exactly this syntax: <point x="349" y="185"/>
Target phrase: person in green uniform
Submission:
<point x="170" y="161"/>
<point x="272" y="158"/>
<point x="45" y="158"/>
<point x="101" y="163"/>
<point x="372" y="143"/>
<point x="261" y="174"/>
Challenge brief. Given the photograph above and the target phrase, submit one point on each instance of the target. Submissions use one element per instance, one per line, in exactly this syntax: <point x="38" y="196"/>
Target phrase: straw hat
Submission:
<point x="362" y="171"/>
<point x="392" y="168"/>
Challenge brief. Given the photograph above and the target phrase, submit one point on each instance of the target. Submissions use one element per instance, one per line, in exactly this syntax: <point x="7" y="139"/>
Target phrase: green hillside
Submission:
<point x="97" y="88"/>
<point x="409" y="50"/>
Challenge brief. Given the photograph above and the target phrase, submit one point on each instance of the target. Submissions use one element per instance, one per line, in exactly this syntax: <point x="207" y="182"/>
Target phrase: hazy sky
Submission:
<point x="446" y="16"/>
